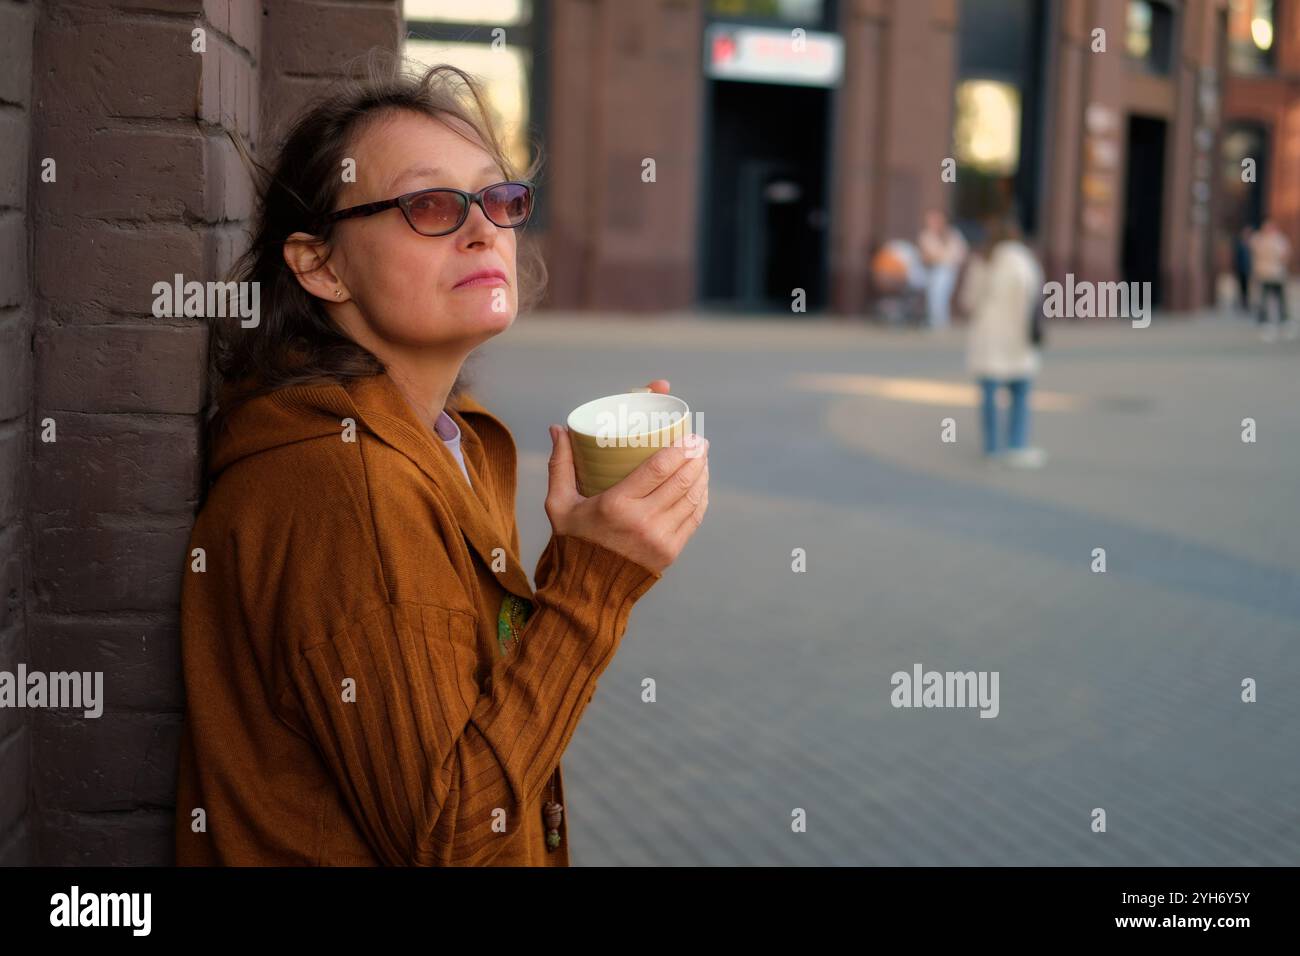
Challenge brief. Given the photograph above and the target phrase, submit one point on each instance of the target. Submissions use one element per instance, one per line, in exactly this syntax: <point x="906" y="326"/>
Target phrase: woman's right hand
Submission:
<point x="648" y="516"/>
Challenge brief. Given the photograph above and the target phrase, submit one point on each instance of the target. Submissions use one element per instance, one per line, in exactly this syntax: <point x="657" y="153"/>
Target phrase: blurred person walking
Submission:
<point x="1002" y="292"/>
<point x="1270" y="254"/>
<point x="1241" y="265"/>
<point x="943" y="249"/>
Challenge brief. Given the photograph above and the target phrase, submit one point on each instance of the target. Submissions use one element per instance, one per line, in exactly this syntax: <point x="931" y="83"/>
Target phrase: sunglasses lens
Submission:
<point x="509" y="204"/>
<point x="436" y="212"/>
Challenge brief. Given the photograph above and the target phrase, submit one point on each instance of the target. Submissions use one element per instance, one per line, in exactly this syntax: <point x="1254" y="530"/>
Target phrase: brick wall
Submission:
<point x="147" y="185"/>
<point x="16" y="30"/>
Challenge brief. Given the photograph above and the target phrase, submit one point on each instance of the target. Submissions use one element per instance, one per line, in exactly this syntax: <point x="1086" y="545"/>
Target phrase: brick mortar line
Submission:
<point x="130" y="226"/>
<point x="115" y="710"/>
<point x="141" y="810"/>
<point x="46" y="410"/>
<point x="129" y="320"/>
<point x="125" y="123"/>
<point x="185" y="125"/>
<point x="139" y="16"/>
<point x="124" y="618"/>
<point x="132" y="417"/>
<point x="115" y="523"/>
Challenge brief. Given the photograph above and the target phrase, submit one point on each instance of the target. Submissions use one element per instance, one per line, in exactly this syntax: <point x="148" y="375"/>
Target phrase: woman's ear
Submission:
<point x="305" y="255"/>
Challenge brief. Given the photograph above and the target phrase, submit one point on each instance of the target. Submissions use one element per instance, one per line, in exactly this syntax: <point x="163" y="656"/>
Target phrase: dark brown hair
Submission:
<point x="998" y="229"/>
<point x="294" y="341"/>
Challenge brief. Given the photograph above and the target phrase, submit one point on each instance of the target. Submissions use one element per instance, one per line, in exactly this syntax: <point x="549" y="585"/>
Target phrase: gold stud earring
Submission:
<point x="337" y="293"/>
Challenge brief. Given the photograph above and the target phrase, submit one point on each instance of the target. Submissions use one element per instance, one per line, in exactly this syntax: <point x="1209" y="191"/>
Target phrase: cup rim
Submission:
<point x="685" y="409"/>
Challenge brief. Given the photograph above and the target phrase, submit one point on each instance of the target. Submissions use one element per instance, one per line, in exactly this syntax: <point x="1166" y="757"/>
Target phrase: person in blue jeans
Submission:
<point x="1002" y="288"/>
<point x="1017" y="431"/>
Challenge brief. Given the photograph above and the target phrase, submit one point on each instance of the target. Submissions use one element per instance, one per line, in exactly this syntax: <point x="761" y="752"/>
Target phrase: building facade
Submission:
<point x="691" y="160"/>
<point x="719" y="154"/>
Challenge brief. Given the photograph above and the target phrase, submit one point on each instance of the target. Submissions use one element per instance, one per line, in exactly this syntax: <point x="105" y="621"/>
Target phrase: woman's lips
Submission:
<point x="480" y="280"/>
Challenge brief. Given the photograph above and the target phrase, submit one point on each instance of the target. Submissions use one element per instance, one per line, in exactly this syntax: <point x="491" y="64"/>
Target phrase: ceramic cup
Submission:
<point x="610" y="436"/>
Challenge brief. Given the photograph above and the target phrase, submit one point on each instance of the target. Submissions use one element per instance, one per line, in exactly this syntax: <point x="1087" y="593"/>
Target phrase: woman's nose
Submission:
<point x="478" y="227"/>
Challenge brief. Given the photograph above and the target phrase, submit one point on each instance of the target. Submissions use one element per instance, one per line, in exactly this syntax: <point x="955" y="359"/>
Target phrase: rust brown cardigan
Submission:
<point x="348" y="701"/>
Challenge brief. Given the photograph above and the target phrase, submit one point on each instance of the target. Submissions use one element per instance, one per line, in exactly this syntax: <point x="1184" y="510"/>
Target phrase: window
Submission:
<point x="493" y="40"/>
<point x="987" y="133"/>
<point x="1251" y="36"/>
<point x="1241" y="203"/>
<point x="1149" y="35"/>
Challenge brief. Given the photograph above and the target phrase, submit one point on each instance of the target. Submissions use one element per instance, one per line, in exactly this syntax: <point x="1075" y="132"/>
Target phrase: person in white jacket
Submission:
<point x="1002" y="288"/>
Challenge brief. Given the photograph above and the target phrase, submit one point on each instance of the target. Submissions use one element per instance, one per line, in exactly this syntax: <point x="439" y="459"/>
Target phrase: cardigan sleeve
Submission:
<point x="426" y="758"/>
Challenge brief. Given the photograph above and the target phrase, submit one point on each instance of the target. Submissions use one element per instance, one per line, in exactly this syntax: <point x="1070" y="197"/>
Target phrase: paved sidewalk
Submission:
<point x="1118" y="691"/>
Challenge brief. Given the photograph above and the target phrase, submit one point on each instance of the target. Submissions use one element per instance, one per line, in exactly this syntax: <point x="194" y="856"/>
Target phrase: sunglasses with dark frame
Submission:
<point x="442" y="210"/>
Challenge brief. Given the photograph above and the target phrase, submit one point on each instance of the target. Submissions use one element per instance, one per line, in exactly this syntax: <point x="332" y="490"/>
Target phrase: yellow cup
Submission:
<point x="610" y="436"/>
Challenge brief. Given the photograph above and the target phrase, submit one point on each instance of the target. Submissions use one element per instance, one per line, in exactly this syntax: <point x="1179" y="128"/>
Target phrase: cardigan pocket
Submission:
<point x="388" y="700"/>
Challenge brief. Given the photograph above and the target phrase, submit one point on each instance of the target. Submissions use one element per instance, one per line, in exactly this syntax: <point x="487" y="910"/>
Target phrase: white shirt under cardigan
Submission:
<point x="449" y="432"/>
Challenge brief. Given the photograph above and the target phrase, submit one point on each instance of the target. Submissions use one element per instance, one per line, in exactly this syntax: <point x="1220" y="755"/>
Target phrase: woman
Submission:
<point x="371" y="678"/>
<point x="1002" y="288"/>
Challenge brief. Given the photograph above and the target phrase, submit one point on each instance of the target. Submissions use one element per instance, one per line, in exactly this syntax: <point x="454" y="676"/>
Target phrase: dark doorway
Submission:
<point x="1144" y="190"/>
<point x="764" y="211"/>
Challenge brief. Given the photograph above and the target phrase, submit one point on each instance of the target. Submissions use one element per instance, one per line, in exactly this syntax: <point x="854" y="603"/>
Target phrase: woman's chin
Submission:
<point x="489" y="321"/>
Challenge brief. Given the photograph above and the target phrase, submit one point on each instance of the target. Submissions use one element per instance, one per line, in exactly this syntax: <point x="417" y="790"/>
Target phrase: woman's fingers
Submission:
<point x="653" y="472"/>
<point x="675" y="487"/>
<point x="680" y="511"/>
<point x="562" y="483"/>
<point x="691" y="522"/>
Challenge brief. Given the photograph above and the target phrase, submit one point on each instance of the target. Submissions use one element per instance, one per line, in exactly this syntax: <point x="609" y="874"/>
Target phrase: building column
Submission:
<point x="1103" y="159"/>
<point x="915" y="132"/>
<point x="1192" y="162"/>
<point x="628" y="84"/>
<point x="855" y="166"/>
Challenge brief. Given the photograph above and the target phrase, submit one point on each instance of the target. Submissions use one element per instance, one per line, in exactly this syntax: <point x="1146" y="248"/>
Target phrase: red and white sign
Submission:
<point x="794" y="57"/>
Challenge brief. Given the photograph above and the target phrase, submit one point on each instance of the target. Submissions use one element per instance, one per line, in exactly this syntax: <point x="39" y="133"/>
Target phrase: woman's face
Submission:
<point x="405" y="287"/>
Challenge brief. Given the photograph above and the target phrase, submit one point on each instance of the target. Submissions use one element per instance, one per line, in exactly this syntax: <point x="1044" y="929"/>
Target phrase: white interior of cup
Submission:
<point x="628" y="413"/>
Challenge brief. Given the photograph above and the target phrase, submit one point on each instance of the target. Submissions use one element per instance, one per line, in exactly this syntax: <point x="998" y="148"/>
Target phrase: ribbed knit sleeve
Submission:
<point x="424" y="755"/>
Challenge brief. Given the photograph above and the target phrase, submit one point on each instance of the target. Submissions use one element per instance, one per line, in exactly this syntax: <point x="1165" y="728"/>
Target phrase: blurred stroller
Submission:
<point x="898" y="283"/>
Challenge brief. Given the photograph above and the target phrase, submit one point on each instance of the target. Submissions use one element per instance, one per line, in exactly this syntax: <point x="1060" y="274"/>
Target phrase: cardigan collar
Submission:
<point x="379" y="406"/>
